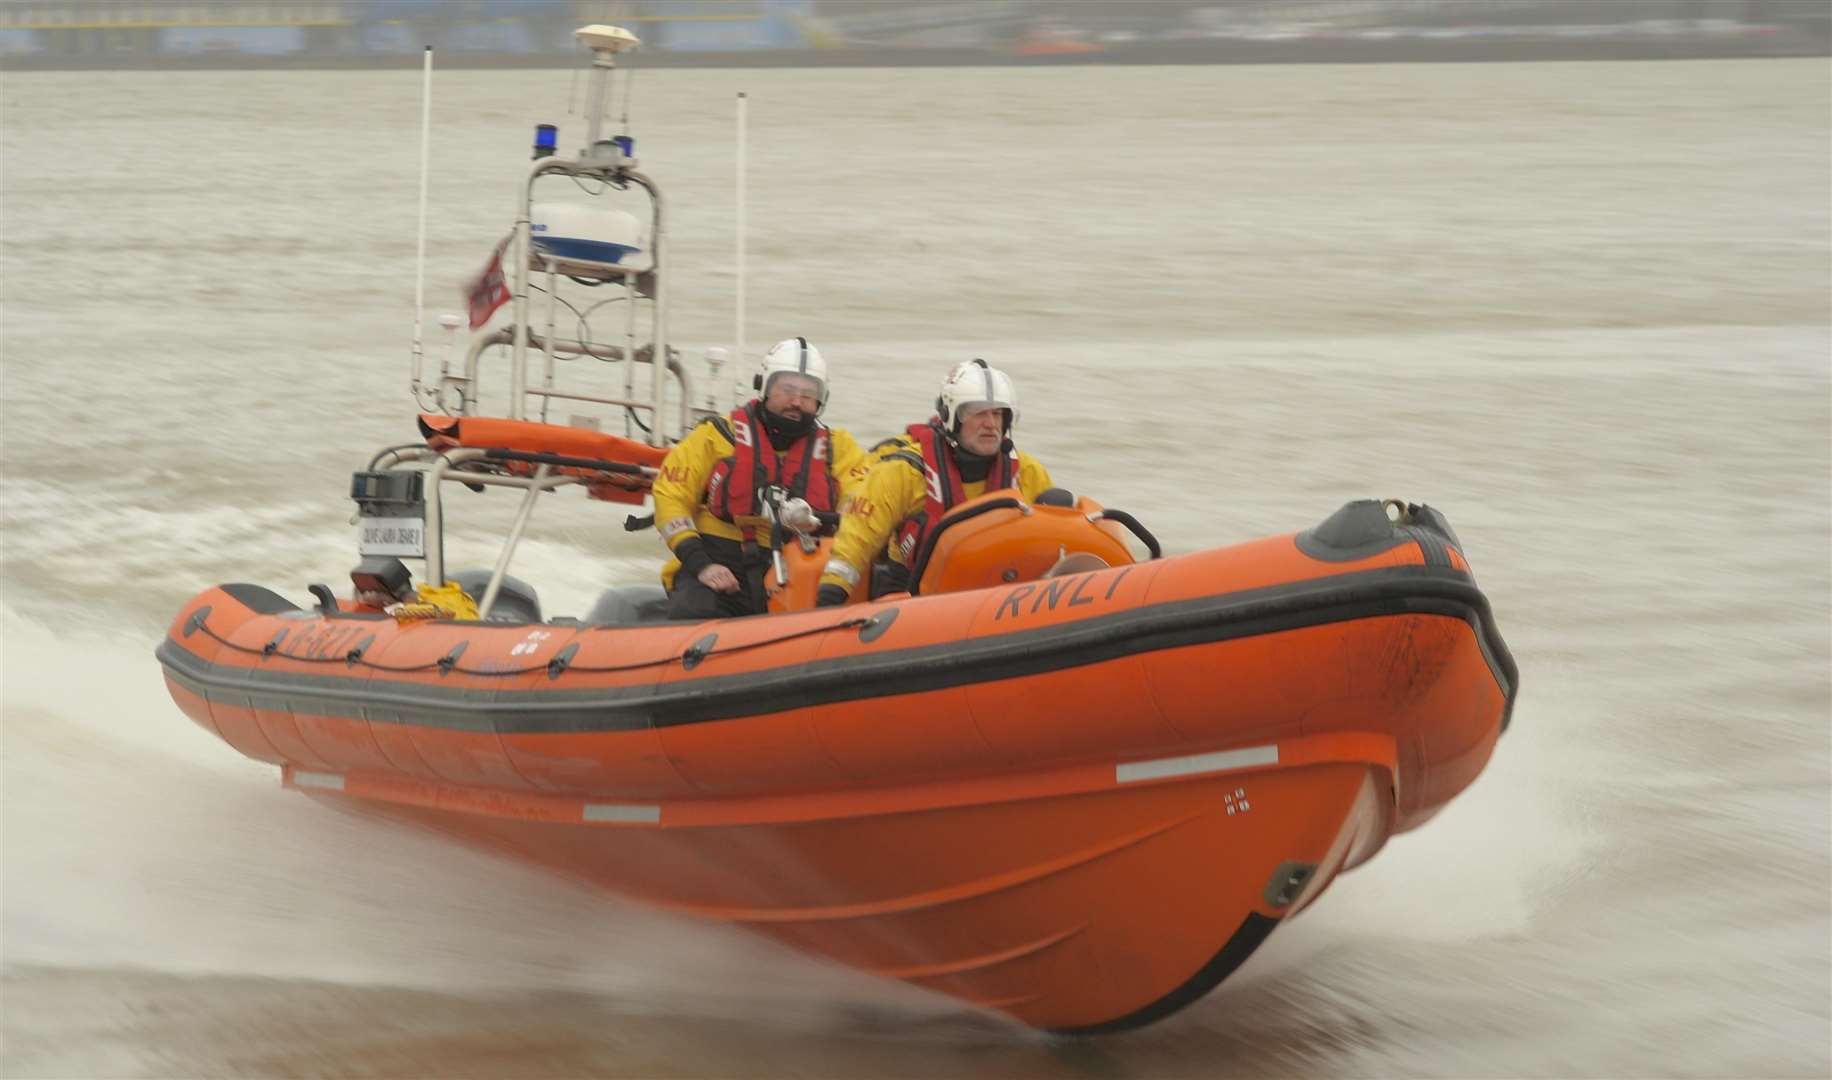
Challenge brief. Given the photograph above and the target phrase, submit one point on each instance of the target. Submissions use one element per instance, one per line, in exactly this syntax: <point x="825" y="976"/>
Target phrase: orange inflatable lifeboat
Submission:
<point x="1063" y="777"/>
<point x="1051" y="781"/>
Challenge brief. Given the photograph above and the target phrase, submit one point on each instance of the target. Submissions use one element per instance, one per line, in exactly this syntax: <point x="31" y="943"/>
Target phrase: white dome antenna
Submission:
<point x="600" y="38"/>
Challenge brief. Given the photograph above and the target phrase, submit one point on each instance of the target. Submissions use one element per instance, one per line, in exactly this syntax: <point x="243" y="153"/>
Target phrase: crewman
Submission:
<point x="962" y="452"/>
<point x="717" y="487"/>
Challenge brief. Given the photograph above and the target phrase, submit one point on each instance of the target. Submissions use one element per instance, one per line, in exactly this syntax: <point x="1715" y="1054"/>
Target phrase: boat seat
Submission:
<point x="515" y="603"/>
<point x="887" y="578"/>
<point x="1076" y="562"/>
<point x="627" y="605"/>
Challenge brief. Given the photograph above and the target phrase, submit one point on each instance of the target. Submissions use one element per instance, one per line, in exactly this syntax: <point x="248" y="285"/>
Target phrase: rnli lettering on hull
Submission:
<point x="1067" y="591"/>
<point x="318" y="642"/>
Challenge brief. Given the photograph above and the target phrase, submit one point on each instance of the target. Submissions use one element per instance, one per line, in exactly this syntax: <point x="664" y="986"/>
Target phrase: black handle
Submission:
<point x="1132" y="524"/>
<point x="500" y="454"/>
<point x="327" y="600"/>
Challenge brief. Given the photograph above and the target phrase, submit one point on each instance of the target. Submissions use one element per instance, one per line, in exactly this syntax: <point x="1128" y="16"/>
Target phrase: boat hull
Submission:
<point x="1081" y="802"/>
<point x="1085" y="909"/>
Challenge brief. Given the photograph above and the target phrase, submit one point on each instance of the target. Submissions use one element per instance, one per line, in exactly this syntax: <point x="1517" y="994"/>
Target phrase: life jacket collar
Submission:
<point x="946" y="484"/>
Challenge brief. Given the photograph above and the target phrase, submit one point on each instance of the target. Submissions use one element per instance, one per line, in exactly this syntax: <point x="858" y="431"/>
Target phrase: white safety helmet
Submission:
<point x="792" y="356"/>
<point x="975" y="383"/>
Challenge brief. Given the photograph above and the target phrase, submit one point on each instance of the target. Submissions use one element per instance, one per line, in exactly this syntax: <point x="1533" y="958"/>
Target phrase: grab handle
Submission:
<point x="1132" y="525"/>
<point x="562" y="461"/>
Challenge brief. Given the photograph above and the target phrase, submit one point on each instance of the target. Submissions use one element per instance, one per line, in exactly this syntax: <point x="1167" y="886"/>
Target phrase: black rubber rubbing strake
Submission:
<point x="1253" y="930"/>
<point x="1432" y="546"/>
<point x="907" y="669"/>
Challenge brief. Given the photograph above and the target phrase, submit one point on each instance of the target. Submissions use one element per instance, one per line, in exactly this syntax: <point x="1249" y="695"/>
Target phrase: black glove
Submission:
<point x="693" y="556"/>
<point x="830" y="595"/>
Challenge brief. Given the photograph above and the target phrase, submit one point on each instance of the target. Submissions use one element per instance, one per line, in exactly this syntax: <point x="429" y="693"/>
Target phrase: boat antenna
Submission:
<point x="419" y="272"/>
<point x="738" y="328"/>
<point x="605" y="42"/>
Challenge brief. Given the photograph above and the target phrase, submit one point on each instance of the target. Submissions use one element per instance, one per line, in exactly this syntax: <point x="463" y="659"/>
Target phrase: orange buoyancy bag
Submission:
<point x="998" y="539"/>
<point x="945" y="489"/>
<point x="528" y="436"/>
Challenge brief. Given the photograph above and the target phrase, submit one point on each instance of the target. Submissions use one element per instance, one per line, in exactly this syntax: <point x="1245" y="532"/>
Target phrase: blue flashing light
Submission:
<point x="546" y="137"/>
<point x="626" y="144"/>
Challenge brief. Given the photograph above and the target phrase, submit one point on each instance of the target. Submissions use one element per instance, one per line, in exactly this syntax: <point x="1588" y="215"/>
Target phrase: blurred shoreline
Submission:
<point x="1789" y="44"/>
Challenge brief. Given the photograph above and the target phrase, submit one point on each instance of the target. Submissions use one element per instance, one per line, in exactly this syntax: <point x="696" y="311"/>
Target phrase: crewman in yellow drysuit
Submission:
<point x="960" y="454"/>
<point x="716" y="485"/>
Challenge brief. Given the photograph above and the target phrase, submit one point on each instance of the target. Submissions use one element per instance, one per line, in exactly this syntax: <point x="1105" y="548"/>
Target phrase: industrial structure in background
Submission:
<point x="329" y="33"/>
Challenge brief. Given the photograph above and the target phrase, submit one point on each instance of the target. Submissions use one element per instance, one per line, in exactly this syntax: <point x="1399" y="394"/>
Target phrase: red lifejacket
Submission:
<point x="802" y="470"/>
<point x="945" y="486"/>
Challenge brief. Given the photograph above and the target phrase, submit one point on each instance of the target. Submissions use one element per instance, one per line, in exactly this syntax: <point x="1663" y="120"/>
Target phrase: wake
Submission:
<point x="135" y="840"/>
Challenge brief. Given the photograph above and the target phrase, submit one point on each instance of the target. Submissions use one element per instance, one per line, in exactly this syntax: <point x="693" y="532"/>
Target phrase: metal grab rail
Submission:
<point x="445" y="468"/>
<point x="491" y="591"/>
<point x="435" y="507"/>
<point x="643" y="355"/>
<point x="613" y="170"/>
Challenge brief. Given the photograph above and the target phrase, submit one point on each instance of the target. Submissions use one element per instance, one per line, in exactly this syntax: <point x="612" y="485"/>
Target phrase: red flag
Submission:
<point x="488" y="290"/>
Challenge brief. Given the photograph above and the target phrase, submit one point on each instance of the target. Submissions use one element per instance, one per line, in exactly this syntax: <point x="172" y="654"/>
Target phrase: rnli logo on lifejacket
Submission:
<point x="934" y="479"/>
<point x="820" y="448"/>
<point x="741" y="433"/>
